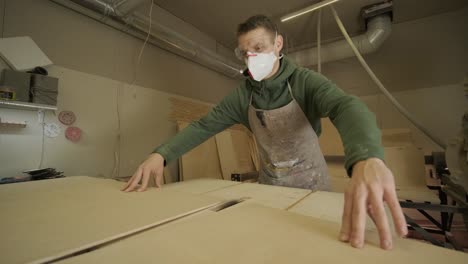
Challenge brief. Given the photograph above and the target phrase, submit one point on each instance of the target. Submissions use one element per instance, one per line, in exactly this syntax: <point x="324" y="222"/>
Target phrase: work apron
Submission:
<point x="289" y="150"/>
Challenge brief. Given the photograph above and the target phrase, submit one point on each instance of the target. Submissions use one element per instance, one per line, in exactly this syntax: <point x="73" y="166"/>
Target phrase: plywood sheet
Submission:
<point x="255" y="234"/>
<point x="267" y="195"/>
<point x="52" y="217"/>
<point x="199" y="186"/>
<point x="328" y="206"/>
<point x="202" y="161"/>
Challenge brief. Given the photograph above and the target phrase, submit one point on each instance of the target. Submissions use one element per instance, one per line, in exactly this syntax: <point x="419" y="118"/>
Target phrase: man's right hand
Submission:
<point x="152" y="166"/>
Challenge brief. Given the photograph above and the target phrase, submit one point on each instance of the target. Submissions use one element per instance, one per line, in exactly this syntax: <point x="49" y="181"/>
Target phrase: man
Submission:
<point x="282" y="105"/>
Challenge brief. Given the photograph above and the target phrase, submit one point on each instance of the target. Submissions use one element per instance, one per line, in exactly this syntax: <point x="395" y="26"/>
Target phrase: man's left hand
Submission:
<point x="371" y="185"/>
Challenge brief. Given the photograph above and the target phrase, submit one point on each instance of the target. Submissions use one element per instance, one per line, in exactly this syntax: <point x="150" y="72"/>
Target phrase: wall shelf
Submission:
<point x="26" y="106"/>
<point x="13" y="124"/>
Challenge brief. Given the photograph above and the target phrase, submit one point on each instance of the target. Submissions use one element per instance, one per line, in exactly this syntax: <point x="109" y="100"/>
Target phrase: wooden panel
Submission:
<point x="407" y="165"/>
<point x="267" y="195"/>
<point x="338" y="177"/>
<point x="241" y="146"/>
<point x="255" y="234"/>
<point x="328" y="206"/>
<point x="188" y="110"/>
<point x="234" y="152"/>
<point x="51" y="218"/>
<point x="227" y="157"/>
<point x="330" y="140"/>
<point x="202" y="161"/>
<point x="199" y="186"/>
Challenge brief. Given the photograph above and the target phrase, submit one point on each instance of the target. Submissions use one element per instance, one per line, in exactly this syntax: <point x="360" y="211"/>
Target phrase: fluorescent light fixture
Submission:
<point x="307" y="10"/>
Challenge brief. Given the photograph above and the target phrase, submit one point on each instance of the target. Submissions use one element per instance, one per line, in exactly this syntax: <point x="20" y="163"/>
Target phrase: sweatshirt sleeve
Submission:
<point x="354" y="121"/>
<point x="222" y="116"/>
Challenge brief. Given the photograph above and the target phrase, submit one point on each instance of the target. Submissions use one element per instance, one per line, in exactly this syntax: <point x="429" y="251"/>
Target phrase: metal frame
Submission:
<point x="457" y="206"/>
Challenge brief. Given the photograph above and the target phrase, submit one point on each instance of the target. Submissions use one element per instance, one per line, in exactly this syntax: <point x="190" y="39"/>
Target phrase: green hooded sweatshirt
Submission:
<point x="317" y="96"/>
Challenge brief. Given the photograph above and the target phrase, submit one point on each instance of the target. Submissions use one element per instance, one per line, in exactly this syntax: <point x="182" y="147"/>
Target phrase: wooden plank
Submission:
<point x="202" y="161"/>
<point x="199" y="186"/>
<point x="267" y="195"/>
<point x="255" y="234"/>
<point x="46" y="219"/>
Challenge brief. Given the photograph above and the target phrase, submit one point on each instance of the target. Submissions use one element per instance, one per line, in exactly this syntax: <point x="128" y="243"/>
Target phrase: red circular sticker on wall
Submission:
<point x="73" y="134"/>
<point x="67" y="117"/>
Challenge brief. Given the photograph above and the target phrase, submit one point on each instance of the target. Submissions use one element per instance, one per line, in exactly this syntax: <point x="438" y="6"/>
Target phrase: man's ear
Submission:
<point x="279" y="43"/>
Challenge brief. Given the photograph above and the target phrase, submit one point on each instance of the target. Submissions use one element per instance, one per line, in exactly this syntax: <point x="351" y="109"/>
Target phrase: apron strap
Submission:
<point x="290" y="91"/>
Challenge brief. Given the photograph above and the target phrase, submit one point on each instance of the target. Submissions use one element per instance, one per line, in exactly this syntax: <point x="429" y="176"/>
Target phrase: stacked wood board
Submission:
<point x="44" y="221"/>
<point x="249" y="233"/>
<point x="228" y="152"/>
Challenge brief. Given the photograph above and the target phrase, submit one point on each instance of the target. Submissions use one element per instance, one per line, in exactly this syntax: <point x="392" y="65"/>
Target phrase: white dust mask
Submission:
<point x="261" y="64"/>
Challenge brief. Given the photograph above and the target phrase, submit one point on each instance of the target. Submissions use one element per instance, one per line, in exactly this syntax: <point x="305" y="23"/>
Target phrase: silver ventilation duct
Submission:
<point x="378" y="30"/>
<point x="161" y="36"/>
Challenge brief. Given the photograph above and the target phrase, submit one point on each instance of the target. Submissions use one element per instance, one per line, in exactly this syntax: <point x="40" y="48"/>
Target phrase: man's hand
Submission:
<point x="371" y="185"/>
<point x="152" y="166"/>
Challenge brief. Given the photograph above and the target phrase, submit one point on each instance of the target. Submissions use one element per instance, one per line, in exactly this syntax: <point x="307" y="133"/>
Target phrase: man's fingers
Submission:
<point x="145" y="180"/>
<point x="158" y="179"/>
<point x="359" y="213"/>
<point x="380" y="218"/>
<point x="131" y="180"/>
<point x="346" y="218"/>
<point x="398" y="218"/>
<point x="128" y="184"/>
<point x="135" y="180"/>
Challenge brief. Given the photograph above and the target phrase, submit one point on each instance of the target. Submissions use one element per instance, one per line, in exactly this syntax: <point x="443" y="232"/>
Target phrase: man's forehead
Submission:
<point x="254" y="37"/>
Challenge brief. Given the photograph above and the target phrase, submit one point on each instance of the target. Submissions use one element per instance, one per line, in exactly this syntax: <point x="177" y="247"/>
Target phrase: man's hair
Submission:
<point x="255" y="22"/>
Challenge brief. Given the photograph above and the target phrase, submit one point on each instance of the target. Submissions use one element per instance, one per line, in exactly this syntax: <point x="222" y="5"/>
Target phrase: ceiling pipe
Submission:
<point x="126" y="7"/>
<point x="162" y="37"/>
<point x="307" y="9"/>
<point x="378" y="30"/>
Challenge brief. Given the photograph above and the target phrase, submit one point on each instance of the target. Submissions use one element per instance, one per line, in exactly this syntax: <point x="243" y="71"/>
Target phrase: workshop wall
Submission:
<point x="93" y="63"/>
<point x="144" y="124"/>
<point x="439" y="109"/>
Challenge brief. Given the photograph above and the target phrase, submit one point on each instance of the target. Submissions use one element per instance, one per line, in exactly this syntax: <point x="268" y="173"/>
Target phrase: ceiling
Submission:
<point x="219" y="19"/>
<point x="425" y="49"/>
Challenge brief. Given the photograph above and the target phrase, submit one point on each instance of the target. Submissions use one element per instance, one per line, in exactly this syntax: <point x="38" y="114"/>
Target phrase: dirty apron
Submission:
<point x="289" y="150"/>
